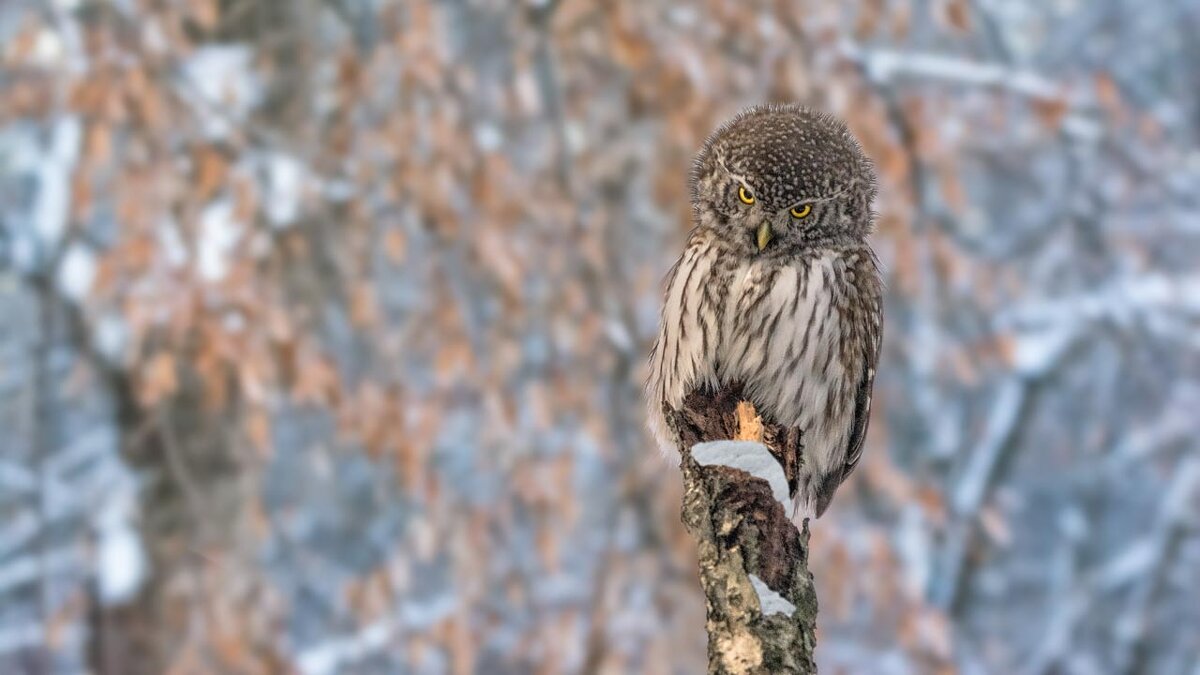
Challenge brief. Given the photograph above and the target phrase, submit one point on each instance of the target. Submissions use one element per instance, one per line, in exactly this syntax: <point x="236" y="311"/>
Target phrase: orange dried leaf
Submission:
<point x="868" y="18"/>
<point x="1050" y="111"/>
<point x="211" y="171"/>
<point x="158" y="378"/>
<point x="364" y="310"/>
<point x="547" y="546"/>
<point x="98" y="145"/>
<point x="996" y="526"/>
<point x="206" y="13"/>
<point x="1108" y="94"/>
<point x="258" y="430"/>
<point x="957" y="15"/>
<point x="952" y="188"/>
<point x="395" y="244"/>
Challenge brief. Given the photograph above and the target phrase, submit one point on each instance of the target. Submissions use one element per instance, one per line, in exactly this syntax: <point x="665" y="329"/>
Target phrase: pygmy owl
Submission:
<point x="778" y="290"/>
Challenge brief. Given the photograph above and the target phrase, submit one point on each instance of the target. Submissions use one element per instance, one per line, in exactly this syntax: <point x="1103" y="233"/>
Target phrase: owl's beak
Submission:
<point x="763" y="235"/>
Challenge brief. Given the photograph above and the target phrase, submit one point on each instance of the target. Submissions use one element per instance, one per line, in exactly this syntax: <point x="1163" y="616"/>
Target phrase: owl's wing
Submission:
<point x="681" y="356"/>
<point x="869" y="323"/>
<point x="864" y="322"/>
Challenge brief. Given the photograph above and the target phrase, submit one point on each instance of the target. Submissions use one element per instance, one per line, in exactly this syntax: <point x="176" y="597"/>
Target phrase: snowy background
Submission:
<point x="323" y="323"/>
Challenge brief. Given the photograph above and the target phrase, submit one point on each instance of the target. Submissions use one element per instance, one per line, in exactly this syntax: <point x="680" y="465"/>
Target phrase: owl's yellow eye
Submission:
<point x="745" y="196"/>
<point x="802" y="211"/>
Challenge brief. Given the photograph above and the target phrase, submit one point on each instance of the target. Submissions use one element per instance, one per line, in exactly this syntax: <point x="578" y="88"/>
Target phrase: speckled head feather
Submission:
<point x="786" y="154"/>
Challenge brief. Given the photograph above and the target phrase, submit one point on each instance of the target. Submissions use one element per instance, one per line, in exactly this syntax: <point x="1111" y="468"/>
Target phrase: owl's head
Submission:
<point x="778" y="178"/>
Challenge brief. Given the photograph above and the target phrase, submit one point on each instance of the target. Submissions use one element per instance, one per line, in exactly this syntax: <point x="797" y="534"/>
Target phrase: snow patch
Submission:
<point x="285" y="184"/>
<point x="219" y="234"/>
<point x="170" y="243"/>
<point x="749" y="456"/>
<point x="120" y="561"/>
<point x="48" y="49"/>
<point x="52" y="206"/>
<point x="223" y="77"/>
<point x="772" y="602"/>
<point x="1036" y="352"/>
<point x="77" y="272"/>
<point x="488" y="137"/>
<point x="334" y="655"/>
<point x="111" y="336"/>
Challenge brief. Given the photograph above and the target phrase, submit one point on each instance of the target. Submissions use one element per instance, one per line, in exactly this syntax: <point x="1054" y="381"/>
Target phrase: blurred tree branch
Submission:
<point x="762" y="607"/>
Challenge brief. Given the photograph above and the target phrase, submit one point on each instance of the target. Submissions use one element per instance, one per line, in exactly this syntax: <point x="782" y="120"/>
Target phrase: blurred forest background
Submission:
<point x="323" y="325"/>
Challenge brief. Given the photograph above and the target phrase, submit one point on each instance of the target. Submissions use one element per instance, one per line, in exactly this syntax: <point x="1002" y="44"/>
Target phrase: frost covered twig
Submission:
<point x="883" y="65"/>
<point x="1144" y="564"/>
<point x="1176" y="517"/>
<point x="762" y="606"/>
<point x="1008" y="413"/>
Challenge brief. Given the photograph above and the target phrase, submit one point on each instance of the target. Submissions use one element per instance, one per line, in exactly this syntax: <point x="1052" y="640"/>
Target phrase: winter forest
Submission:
<point x="324" y="323"/>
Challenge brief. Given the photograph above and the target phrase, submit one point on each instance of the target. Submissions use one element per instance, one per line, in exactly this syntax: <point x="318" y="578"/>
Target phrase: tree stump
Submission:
<point x="753" y="561"/>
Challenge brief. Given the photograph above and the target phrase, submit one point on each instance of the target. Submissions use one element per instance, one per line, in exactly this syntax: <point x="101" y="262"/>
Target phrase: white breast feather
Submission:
<point x="680" y="364"/>
<point x="794" y="387"/>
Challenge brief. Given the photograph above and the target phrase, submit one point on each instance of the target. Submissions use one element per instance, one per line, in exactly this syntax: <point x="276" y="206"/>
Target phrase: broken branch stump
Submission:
<point x="753" y="561"/>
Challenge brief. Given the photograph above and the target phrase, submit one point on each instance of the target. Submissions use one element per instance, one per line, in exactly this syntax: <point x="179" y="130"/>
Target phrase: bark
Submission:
<point x="193" y="522"/>
<point x="743" y="532"/>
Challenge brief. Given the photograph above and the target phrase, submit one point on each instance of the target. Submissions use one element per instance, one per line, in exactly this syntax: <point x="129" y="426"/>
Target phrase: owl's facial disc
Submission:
<point x="769" y="227"/>
<point x="799" y="170"/>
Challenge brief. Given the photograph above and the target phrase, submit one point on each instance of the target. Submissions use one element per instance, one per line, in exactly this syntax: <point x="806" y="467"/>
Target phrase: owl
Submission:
<point x="778" y="291"/>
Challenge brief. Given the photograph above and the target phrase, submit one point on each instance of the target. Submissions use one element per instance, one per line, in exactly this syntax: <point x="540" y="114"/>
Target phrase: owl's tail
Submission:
<point x="813" y="496"/>
<point x="803" y="508"/>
